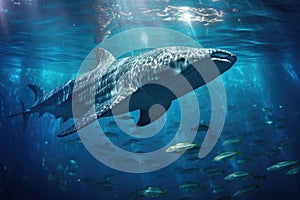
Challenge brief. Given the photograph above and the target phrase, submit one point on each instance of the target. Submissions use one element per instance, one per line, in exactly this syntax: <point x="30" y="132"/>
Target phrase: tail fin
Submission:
<point x="25" y="114"/>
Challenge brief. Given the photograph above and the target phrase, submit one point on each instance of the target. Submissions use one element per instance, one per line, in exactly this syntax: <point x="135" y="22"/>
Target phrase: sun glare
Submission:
<point x="186" y="17"/>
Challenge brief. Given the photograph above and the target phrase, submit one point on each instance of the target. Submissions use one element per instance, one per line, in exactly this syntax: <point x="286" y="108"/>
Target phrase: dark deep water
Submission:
<point x="44" y="42"/>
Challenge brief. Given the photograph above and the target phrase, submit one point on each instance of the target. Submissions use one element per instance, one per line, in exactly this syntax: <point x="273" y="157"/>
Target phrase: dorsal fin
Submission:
<point x="38" y="92"/>
<point x="102" y="58"/>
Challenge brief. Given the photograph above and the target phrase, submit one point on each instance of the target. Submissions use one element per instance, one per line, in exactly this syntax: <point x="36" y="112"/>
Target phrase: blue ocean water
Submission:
<point x="44" y="42"/>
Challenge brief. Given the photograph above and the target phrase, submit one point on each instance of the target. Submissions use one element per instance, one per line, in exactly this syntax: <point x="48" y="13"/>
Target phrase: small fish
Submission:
<point x="244" y="190"/>
<point x="181" y="147"/>
<point x="151" y="192"/>
<point x="106" y="185"/>
<point x="283" y="165"/>
<point x="211" y="169"/>
<point x="238" y="175"/>
<point x="189" y="170"/>
<point x="72" y="168"/>
<point x="244" y="161"/>
<point x="188" y="185"/>
<point x="231" y="141"/>
<point x="226" y="155"/>
<point x="201" y="127"/>
<point x="294" y="170"/>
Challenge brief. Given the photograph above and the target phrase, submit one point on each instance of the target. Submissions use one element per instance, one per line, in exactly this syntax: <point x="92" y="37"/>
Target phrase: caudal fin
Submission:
<point x="25" y="114"/>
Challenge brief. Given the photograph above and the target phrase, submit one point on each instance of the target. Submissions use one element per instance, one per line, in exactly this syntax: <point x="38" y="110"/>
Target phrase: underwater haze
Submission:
<point x="44" y="42"/>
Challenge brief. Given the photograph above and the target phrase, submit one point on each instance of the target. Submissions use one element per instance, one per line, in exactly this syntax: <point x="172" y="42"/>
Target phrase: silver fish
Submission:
<point x="226" y="155"/>
<point x="283" y="165"/>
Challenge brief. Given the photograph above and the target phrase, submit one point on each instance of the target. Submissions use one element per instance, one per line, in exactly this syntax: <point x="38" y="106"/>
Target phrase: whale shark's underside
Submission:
<point x="116" y="86"/>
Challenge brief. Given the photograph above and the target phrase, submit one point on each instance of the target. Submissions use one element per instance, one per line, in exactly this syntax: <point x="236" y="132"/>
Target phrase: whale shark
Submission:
<point x="115" y="86"/>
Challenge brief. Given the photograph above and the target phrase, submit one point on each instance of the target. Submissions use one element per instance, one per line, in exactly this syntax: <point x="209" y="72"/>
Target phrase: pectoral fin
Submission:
<point x="144" y="118"/>
<point x="152" y="113"/>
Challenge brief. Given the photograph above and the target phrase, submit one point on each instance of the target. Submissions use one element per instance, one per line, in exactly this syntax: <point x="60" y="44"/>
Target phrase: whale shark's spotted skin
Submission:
<point x="139" y="81"/>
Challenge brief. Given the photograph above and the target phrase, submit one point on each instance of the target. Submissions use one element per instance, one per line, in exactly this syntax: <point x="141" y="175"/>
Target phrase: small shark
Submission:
<point x="138" y="81"/>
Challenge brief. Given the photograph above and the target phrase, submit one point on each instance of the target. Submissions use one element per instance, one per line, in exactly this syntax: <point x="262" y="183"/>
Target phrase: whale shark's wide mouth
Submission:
<point x="223" y="60"/>
<point x="223" y="56"/>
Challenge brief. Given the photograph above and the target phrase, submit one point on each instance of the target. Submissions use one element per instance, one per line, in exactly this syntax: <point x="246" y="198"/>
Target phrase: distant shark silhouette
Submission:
<point x="134" y="81"/>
